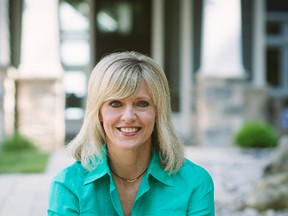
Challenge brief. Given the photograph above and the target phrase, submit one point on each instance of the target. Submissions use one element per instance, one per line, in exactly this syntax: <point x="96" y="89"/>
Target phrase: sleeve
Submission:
<point x="201" y="202"/>
<point x="62" y="201"/>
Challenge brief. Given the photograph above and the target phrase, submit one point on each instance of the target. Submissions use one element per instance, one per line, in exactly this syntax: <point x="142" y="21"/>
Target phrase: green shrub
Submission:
<point x="19" y="155"/>
<point x="28" y="161"/>
<point x="256" y="135"/>
<point x="16" y="142"/>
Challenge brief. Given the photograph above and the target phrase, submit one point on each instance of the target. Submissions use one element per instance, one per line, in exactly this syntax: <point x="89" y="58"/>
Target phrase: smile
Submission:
<point x="129" y="130"/>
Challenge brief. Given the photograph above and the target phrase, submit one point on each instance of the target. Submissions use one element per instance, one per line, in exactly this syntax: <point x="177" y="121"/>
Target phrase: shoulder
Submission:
<point x="192" y="167"/>
<point x="194" y="173"/>
<point x="72" y="174"/>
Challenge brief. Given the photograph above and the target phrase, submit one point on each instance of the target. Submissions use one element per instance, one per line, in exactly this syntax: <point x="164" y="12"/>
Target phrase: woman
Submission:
<point x="129" y="158"/>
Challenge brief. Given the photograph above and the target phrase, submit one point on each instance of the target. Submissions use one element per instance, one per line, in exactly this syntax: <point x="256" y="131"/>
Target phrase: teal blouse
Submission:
<point x="77" y="191"/>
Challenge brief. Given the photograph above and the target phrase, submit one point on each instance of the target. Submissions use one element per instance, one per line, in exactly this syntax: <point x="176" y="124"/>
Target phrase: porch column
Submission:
<point x="40" y="54"/>
<point x="221" y="45"/>
<point x="4" y="35"/>
<point x="221" y="74"/>
<point x="158" y="31"/>
<point x="4" y="59"/>
<point x="40" y="92"/>
<point x="259" y="70"/>
<point x="186" y="65"/>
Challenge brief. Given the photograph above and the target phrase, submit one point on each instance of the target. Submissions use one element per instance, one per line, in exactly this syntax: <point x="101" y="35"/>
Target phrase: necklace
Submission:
<point x="128" y="180"/>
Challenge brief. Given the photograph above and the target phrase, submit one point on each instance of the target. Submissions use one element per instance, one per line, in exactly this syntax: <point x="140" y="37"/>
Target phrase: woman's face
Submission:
<point x="129" y="123"/>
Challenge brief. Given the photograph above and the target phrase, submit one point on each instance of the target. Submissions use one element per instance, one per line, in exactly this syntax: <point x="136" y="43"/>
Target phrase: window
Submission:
<point x="75" y="54"/>
<point x="277" y="44"/>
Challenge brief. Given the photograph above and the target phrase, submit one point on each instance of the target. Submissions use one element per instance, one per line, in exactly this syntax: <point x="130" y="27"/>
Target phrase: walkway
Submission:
<point x="27" y="194"/>
<point x="234" y="172"/>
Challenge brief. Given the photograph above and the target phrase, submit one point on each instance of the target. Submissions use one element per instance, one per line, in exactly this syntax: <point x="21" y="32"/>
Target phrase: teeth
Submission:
<point x="128" y="130"/>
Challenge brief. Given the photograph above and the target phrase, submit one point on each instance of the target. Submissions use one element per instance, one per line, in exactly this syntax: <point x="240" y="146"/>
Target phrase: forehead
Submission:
<point x="142" y="92"/>
<point x="126" y="90"/>
<point x="142" y="89"/>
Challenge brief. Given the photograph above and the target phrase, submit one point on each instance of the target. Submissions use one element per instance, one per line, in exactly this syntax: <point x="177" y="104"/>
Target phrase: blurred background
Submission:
<point x="226" y="62"/>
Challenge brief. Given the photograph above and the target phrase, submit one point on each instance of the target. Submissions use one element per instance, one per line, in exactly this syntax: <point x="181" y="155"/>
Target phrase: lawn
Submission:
<point x="25" y="161"/>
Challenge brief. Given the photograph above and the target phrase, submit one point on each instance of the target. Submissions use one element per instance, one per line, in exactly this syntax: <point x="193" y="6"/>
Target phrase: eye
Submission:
<point x="115" y="104"/>
<point x="142" y="103"/>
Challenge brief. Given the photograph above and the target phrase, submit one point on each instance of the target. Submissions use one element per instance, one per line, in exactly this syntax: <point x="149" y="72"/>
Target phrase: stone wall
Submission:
<point x="255" y="103"/>
<point x="40" y="111"/>
<point x="223" y="106"/>
<point x="2" y="128"/>
<point x="9" y="102"/>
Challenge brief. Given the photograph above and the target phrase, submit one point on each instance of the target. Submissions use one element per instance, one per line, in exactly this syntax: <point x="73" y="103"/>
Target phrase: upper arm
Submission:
<point x="201" y="202"/>
<point x="62" y="200"/>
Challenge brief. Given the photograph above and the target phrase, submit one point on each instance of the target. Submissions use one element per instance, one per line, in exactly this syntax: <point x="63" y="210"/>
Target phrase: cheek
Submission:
<point x="104" y="114"/>
<point x="108" y="118"/>
<point x="107" y="125"/>
<point x="150" y="119"/>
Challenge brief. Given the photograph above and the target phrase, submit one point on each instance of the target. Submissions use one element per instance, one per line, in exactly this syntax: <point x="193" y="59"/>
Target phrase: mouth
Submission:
<point x="129" y="129"/>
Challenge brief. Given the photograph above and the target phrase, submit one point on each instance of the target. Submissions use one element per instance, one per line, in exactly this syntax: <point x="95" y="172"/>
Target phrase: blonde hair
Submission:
<point x="117" y="76"/>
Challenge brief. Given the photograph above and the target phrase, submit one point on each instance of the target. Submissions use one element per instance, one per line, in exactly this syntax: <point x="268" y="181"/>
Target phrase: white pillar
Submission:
<point x="4" y="35"/>
<point x="40" y="54"/>
<point x="259" y="70"/>
<point x="186" y="65"/>
<point x="220" y="99"/>
<point x="221" y="45"/>
<point x="40" y="91"/>
<point x="4" y="60"/>
<point x="158" y="32"/>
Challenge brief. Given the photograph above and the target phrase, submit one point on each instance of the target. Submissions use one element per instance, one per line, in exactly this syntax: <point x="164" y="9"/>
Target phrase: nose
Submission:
<point x="129" y="114"/>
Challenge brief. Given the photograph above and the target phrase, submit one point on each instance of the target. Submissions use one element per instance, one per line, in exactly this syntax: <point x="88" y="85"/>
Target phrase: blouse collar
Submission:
<point x="154" y="169"/>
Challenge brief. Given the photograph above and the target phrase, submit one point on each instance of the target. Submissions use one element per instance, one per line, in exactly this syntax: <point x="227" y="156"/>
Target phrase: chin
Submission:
<point x="130" y="145"/>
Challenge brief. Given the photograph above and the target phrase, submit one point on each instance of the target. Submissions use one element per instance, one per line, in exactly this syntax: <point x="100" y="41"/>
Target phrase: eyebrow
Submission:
<point x="143" y="98"/>
<point x="148" y="97"/>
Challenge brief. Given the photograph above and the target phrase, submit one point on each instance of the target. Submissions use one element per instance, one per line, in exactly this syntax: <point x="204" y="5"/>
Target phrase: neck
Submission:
<point x="129" y="180"/>
<point x="129" y="164"/>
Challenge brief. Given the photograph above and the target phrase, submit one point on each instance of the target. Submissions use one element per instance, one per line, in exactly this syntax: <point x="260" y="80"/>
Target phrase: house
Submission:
<point x="226" y="62"/>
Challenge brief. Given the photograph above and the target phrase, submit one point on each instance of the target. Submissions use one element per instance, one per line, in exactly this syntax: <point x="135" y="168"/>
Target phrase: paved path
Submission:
<point x="27" y="195"/>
